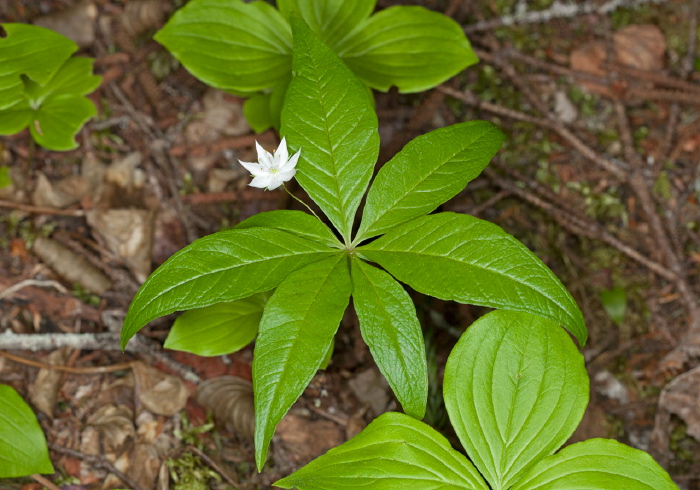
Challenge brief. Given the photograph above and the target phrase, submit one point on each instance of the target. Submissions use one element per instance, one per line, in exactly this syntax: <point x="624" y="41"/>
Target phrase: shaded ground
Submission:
<point x="599" y="176"/>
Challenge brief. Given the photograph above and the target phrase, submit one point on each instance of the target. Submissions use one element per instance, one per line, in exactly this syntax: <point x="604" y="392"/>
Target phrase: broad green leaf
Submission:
<point x="15" y="118"/>
<point x="75" y="77"/>
<point x="33" y="51"/>
<point x="225" y="266"/>
<point x="331" y="20"/>
<point x="328" y="114"/>
<point x="231" y="45"/>
<point x="394" y="452"/>
<point x="391" y="330"/>
<point x="615" y="303"/>
<point x="257" y="112"/>
<point x="59" y="119"/>
<point x="218" y="329"/>
<point x="428" y="171"/>
<point x="461" y="258"/>
<point x="295" y="222"/>
<point x="296" y="331"/>
<point x="597" y="464"/>
<point x="23" y="448"/>
<point x="515" y="388"/>
<point x="412" y="48"/>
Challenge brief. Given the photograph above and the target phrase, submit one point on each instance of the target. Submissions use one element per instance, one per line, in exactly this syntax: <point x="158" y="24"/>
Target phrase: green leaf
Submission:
<point x="225" y="266"/>
<point x="461" y="258"/>
<point x="296" y="331"/>
<point x="257" y="112"/>
<point x="15" y="118"/>
<point x="412" y="48"/>
<point x="218" y="329"/>
<point x="295" y="222"/>
<point x="5" y="178"/>
<point x="615" y="304"/>
<point x="74" y="78"/>
<point x="231" y="45"/>
<point x="327" y="356"/>
<point x="23" y="448"/>
<point x="597" y="464"/>
<point x="428" y="171"/>
<point x="59" y="119"/>
<point x="330" y="117"/>
<point x="515" y="388"/>
<point x="331" y="20"/>
<point x="33" y="51"/>
<point x="394" y="452"/>
<point x="279" y="92"/>
<point x="391" y="330"/>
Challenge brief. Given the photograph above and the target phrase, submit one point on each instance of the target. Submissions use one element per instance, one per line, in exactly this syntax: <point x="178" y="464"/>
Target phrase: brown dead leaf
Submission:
<point x="636" y="46"/>
<point x="307" y="439"/>
<point x="222" y="116"/>
<point x="71" y="266"/>
<point x="76" y="22"/>
<point x="125" y="174"/>
<point x="142" y="15"/>
<point x="158" y="392"/>
<point x="60" y="194"/>
<point x="115" y="427"/>
<point x="141" y="463"/>
<point x="371" y="388"/>
<point x="127" y="233"/>
<point x="43" y="392"/>
<point x="230" y="399"/>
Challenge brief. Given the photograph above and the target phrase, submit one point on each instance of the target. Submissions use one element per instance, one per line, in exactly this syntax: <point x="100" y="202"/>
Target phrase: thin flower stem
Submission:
<point x="302" y="202"/>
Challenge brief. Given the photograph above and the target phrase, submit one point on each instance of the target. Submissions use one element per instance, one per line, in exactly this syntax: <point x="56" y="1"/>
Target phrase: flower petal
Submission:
<point x="275" y="181"/>
<point x="254" y="168"/>
<point x="286" y="174"/>
<point x="281" y="153"/>
<point x="264" y="156"/>
<point x="261" y="181"/>
<point x="292" y="162"/>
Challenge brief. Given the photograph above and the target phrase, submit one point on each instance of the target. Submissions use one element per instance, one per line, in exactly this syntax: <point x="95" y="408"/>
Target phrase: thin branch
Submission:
<point x="6" y="293"/>
<point x="213" y="465"/>
<point x="41" y="210"/>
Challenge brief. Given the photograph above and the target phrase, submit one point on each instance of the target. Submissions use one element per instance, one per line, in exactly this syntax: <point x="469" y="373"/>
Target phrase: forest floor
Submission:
<point x="599" y="176"/>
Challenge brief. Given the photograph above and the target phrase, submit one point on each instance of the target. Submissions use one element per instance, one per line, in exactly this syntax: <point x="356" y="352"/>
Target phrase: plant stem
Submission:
<point x="302" y="202"/>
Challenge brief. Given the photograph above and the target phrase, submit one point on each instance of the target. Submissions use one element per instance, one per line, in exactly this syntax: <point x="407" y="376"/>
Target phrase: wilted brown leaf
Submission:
<point x="60" y="194"/>
<point x="76" y="22"/>
<point x="230" y="399"/>
<point x="159" y="393"/>
<point x="43" y="392"/>
<point x="307" y="439"/>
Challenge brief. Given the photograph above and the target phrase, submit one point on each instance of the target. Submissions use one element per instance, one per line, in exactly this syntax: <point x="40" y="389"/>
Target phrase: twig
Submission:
<point x="558" y="10"/>
<point x="97" y="462"/>
<point x="41" y="210"/>
<point x="67" y="369"/>
<point x="6" y="293"/>
<point x="45" y="481"/>
<point x="213" y="465"/>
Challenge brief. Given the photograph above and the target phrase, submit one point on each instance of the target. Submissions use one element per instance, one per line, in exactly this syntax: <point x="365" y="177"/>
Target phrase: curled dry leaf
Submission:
<point x="115" y="427"/>
<point x="71" y="266"/>
<point x="60" y="194"/>
<point x="230" y="400"/>
<point x="158" y="392"/>
<point x="140" y="463"/>
<point x="143" y="15"/>
<point x="43" y="392"/>
<point x="76" y="22"/>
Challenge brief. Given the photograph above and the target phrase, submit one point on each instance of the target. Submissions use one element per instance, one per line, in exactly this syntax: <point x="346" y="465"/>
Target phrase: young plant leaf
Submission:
<point x="331" y="20"/>
<point x="33" y="51"/>
<point x="515" y="389"/>
<point x="231" y="45"/>
<point x="23" y="450"/>
<point x="597" y="464"/>
<point x="461" y="258"/>
<point x="329" y="116"/>
<point x="394" y="452"/>
<point x="218" y="329"/>
<point x="427" y="172"/>
<point x="295" y="222"/>
<point x="615" y="304"/>
<point x="393" y="334"/>
<point x="256" y="110"/>
<point x="410" y="47"/>
<point x="225" y="266"/>
<point x="296" y="331"/>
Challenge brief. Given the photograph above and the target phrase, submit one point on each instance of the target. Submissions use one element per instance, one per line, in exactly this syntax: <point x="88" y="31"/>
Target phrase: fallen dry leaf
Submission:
<point x="158" y="392"/>
<point x="43" y="392"/>
<point x="115" y="426"/>
<point x="61" y="194"/>
<point x="371" y="388"/>
<point x="307" y="439"/>
<point x="71" y="266"/>
<point x="76" y="22"/>
<point x="230" y="399"/>
<point x="142" y="15"/>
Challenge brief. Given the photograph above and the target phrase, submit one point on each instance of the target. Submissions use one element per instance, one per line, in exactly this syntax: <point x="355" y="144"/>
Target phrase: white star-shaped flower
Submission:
<point x="272" y="170"/>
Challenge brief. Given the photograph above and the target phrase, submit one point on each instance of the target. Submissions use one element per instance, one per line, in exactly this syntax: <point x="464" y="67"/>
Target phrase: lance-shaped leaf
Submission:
<point x="329" y="115"/>
<point x="427" y="172"/>
<point x="218" y="329"/>
<point x="23" y="450"/>
<point x="461" y="258"/>
<point x="225" y="266"/>
<point x="331" y="20"/>
<point x="294" y="222"/>
<point x="231" y="45"/>
<point x="33" y="51"/>
<point x="296" y="331"/>
<point x="394" y="452"/>
<point x="391" y="330"/>
<point x="410" y="47"/>
<point x="597" y="464"/>
<point x="515" y="389"/>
